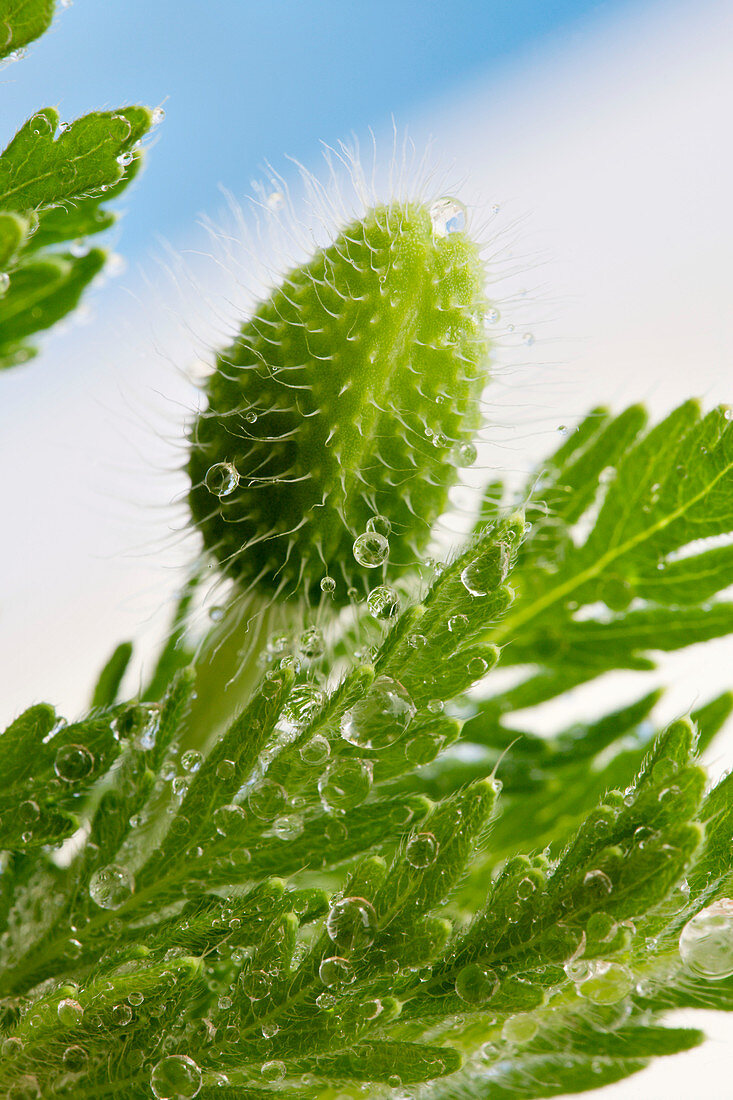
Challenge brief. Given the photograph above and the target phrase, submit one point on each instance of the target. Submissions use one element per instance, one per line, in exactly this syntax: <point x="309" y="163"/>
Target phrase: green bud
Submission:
<point x="343" y="403"/>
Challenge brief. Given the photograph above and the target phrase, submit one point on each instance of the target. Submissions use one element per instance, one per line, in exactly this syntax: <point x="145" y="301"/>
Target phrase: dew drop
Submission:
<point x="255" y="984"/>
<point x="221" y="479"/>
<point x="371" y="549"/>
<point x="379" y="525"/>
<point x="74" y="1058"/>
<point x="176" y="1077"/>
<point x="422" y="850"/>
<point x="492" y="316"/>
<point x="226" y="769"/>
<point x="228" y="820"/>
<point x="328" y="585"/>
<point x="603" y="982"/>
<point x="70" y="1013"/>
<point x="528" y="339"/>
<point x="268" y="800"/>
<point x="381" y="717"/>
<point x="274" y="1070"/>
<point x="464" y="454"/>
<point x="304" y="703"/>
<point x="706" y="941"/>
<point x="344" y="784"/>
<point x="352" y="924"/>
<point x="288" y="827"/>
<point x="476" y="984"/>
<point x="311" y="644"/>
<point x="216" y="614"/>
<point x="136" y="998"/>
<point x="275" y="200"/>
<point x="158" y="114"/>
<point x="4" y="282"/>
<point x="315" y="751"/>
<point x="121" y="1014"/>
<point x="458" y="624"/>
<point x="191" y="760"/>
<point x="488" y="571"/>
<point x="448" y="215"/>
<point x="336" y="971"/>
<point x="73" y="762"/>
<point x="383" y="602"/>
<point x="110" y="887"/>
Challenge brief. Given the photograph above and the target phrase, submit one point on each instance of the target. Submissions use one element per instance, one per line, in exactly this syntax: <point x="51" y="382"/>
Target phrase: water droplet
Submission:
<point x="216" y="614"/>
<point x="70" y="1013"/>
<point x="229" y="820"/>
<point x="315" y="751"/>
<point x="464" y="454"/>
<point x="706" y="941"/>
<point x="226" y="769"/>
<point x="352" y="924"/>
<point x="528" y="339"/>
<point x="111" y="886"/>
<point x="383" y="602"/>
<point x="448" y="215"/>
<point x="73" y="762"/>
<point x="381" y="717"/>
<point x="596" y="885"/>
<point x="486" y="572"/>
<point x="304" y="703"/>
<point x="336" y="971"/>
<point x="269" y="1030"/>
<point x="422" y="850"/>
<point x="221" y="479"/>
<point x="126" y="158"/>
<point x="268" y="800"/>
<point x="311" y="644"/>
<point x="176" y="1077"/>
<point x="492" y="316"/>
<point x="328" y="585"/>
<point x="603" y="982"/>
<point x="158" y="115"/>
<point x="274" y="1070"/>
<point x="288" y="827"/>
<point x="191" y="760"/>
<point x="75" y="1058"/>
<point x="371" y="549"/>
<point x="476" y="984"/>
<point x="255" y="984"/>
<point x="136" y="998"/>
<point x="519" y="1029"/>
<point x="344" y="784"/>
<point x="379" y="525"/>
<point x="121" y="1014"/>
<point x="458" y="624"/>
<point x="4" y="282"/>
<point x="276" y="200"/>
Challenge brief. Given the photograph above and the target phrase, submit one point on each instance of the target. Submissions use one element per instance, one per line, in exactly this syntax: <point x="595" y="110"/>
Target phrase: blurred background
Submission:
<point x="590" y="143"/>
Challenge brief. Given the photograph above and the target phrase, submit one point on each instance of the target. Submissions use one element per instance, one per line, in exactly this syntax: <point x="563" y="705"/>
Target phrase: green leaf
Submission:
<point x="21" y="21"/>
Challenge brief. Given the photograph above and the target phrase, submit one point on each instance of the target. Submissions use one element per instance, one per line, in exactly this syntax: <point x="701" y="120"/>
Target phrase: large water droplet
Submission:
<point x="422" y="850"/>
<point x="273" y="1070"/>
<point x="603" y="982"/>
<point x="487" y="572"/>
<point x="381" y="717"/>
<point x="73" y="762"/>
<point x="70" y="1012"/>
<point x="464" y="454"/>
<point x="311" y="644"/>
<point x="111" y="886"/>
<point x="352" y="924"/>
<point x="371" y="549"/>
<point x="345" y="783"/>
<point x="476" y="984"/>
<point x="519" y="1029"/>
<point x="268" y="800"/>
<point x="304" y="703"/>
<point x="336" y="971"/>
<point x="383" y="602"/>
<point x="176" y="1077"/>
<point x="4" y="283"/>
<point x="221" y="479"/>
<point x="228" y="820"/>
<point x="379" y="525"/>
<point x="448" y="215"/>
<point x="315" y="751"/>
<point x="706" y="941"/>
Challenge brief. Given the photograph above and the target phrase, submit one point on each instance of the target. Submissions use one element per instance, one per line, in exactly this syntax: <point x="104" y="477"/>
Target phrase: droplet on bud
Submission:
<point x="448" y="215"/>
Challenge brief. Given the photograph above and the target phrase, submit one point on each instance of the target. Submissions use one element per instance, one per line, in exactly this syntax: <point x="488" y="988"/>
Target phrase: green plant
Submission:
<point x="292" y="880"/>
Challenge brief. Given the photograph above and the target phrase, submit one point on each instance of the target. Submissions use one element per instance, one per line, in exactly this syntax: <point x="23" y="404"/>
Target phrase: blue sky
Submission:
<point x="246" y="82"/>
